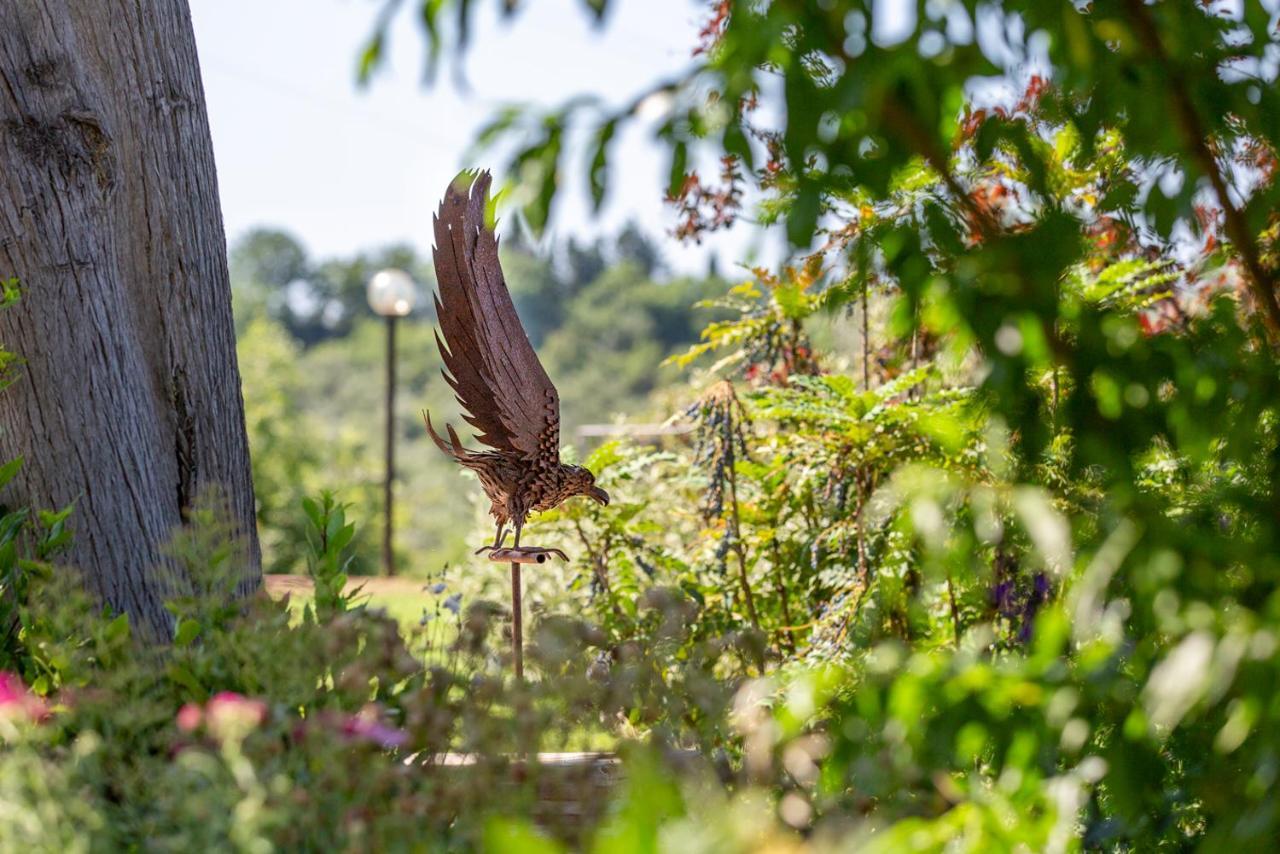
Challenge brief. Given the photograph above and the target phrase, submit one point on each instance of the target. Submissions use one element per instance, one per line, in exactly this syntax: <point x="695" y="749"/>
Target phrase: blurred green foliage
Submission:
<point x="1035" y="517"/>
<point x="261" y="729"/>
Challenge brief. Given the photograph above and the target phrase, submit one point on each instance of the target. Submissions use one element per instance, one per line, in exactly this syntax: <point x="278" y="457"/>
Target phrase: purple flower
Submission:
<point x="1002" y="595"/>
<point x="1041" y="586"/>
<point x="1019" y="603"/>
<point x="366" y="726"/>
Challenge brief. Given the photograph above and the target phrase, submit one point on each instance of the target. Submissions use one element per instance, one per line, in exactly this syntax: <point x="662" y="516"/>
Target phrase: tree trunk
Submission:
<point x="129" y="402"/>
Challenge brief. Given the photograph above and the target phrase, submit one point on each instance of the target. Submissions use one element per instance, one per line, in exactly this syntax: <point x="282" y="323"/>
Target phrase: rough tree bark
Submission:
<point x="130" y="402"/>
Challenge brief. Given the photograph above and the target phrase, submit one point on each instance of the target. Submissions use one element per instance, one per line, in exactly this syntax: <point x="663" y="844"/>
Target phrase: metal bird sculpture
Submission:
<point x="505" y="392"/>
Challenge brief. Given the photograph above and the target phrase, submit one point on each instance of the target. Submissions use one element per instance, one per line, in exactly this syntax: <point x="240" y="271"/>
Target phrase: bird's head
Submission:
<point x="582" y="482"/>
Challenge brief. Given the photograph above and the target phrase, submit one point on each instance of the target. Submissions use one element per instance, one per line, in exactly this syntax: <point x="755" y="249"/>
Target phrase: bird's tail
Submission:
<point x="453" y="447"/>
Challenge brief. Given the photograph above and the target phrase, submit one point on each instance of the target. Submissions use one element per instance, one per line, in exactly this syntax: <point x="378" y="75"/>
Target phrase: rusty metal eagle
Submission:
<point x="496" y="375"/>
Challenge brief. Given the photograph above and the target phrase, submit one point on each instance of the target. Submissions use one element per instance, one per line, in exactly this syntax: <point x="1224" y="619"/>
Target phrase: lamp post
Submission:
<point x="391" y="295"/>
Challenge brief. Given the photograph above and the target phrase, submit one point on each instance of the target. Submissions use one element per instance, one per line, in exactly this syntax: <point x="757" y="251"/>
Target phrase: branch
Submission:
<point x="917" y="137"/>
<point x="1196" y="139"/>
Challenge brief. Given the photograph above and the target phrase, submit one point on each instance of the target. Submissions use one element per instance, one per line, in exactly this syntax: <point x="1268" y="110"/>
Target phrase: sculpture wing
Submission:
<point x="490" y="364"/>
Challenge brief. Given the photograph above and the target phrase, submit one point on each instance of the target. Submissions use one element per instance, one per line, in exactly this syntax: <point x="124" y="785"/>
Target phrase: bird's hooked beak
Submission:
<point x="598" y="494"/>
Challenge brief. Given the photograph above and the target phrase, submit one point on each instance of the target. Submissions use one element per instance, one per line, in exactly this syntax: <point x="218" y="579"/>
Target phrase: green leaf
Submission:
<point x="501" y="123"/>
<point x="600" y="162"/>
<point x="505" y="836"/>
<point x="181" y="675"/>
<point x="430" y="14"/>
<point x="540" y="170"/>
<point x="369" y="59"/>
<point x="9" y="470"/>
<point x="802" y="219"/>
<point x="118" y="629"/>
<point x="10" y="292"/>
<point x="649" y="797"/>
<point x="188" y="631"/>
<point x="679" y="167"/>
<point x="736" y="143"/>
<point x="314" y="514"/>
<point x="342" y="538"/>
<point x="337" y="521"/>
<point x="52" y="518"/>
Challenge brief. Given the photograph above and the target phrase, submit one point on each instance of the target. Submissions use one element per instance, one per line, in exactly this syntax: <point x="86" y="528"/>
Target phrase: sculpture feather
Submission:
<point x="491" y="364"/>
<point x="493" y="369"/>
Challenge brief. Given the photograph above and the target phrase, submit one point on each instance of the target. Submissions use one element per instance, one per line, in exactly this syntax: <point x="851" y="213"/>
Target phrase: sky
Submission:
<point x="300" y="146"/>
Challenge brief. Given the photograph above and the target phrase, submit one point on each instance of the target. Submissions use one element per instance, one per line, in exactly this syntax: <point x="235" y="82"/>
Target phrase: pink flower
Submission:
<point x="227" y="715"/>
<point x="17" y="702"/>
<point x="11" y="689"/>
<point x="189" y="717"/>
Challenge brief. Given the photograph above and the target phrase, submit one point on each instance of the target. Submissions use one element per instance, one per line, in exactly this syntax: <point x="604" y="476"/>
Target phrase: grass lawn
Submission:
<point x="403" y="598"/>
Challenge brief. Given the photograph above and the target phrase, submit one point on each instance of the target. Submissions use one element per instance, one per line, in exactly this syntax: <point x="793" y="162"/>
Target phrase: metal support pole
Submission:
<point x="388" y="560"/>
<point x="517" y="623"/>
<point x="517" y="614"/>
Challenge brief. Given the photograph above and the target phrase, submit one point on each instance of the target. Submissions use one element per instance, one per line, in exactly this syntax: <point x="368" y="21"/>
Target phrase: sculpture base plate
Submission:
<point x="523" y="554"/>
